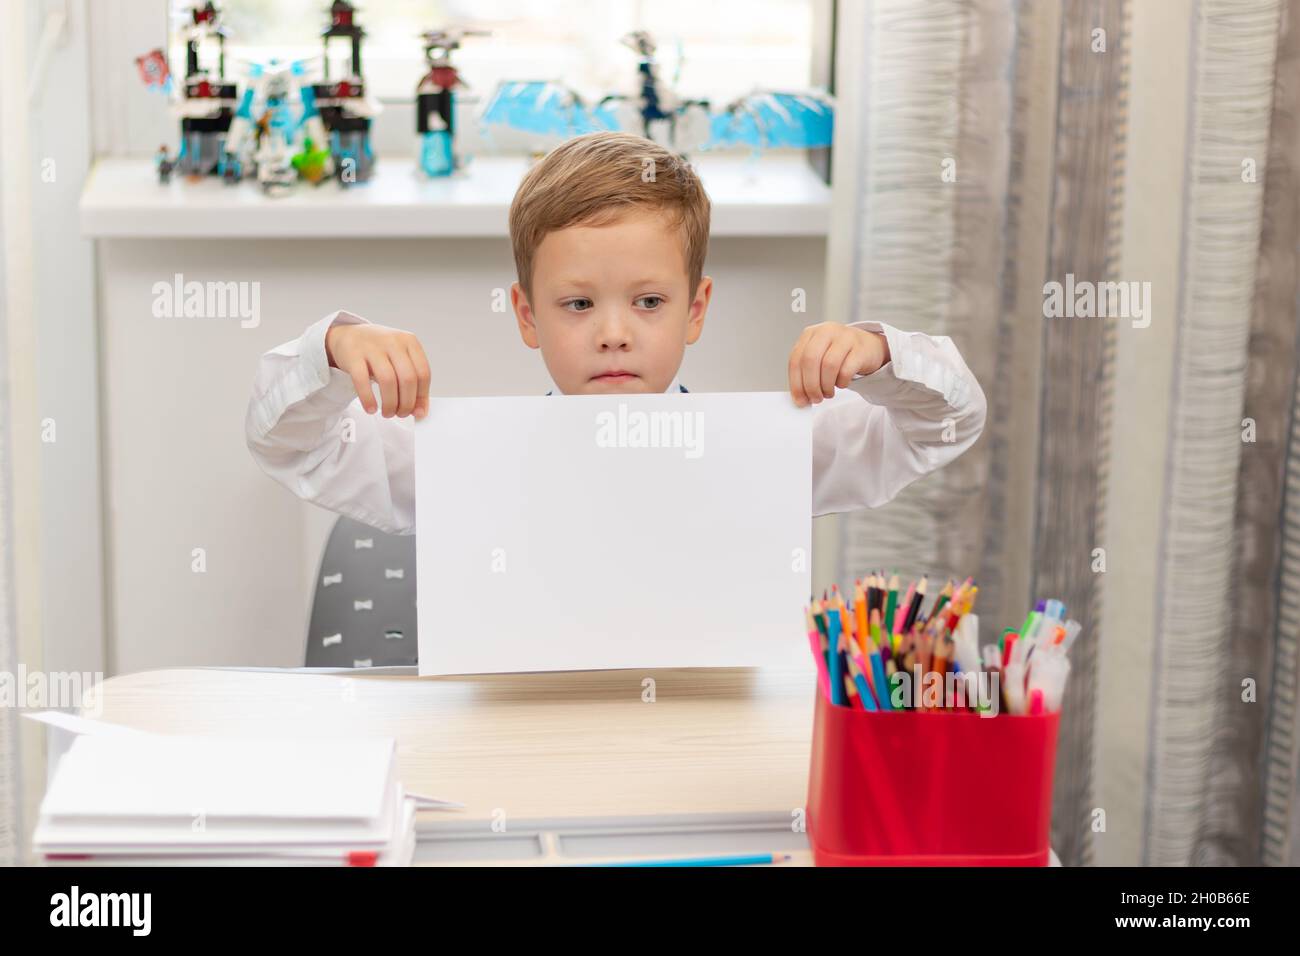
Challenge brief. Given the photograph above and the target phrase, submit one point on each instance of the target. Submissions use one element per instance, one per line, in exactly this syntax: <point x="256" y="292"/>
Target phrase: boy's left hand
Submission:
<point x="828" y="355"/>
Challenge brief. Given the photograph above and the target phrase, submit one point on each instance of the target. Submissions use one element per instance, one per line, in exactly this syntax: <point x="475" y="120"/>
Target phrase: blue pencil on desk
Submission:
<point x="751" y="860"/>
<point x="836" y="662"/>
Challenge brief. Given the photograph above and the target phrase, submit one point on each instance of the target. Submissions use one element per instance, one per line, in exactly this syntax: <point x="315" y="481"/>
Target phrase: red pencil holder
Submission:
<point x="930" y="788"/>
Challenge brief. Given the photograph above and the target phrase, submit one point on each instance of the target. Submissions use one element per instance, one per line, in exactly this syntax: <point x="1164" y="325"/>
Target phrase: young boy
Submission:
<point x="609" y="234"/>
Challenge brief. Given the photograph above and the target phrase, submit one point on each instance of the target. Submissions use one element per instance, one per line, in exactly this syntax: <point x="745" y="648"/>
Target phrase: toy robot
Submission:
<point x="660" y="110"/>
<point x="267" y="130"/>
<point x="435" y="103"/>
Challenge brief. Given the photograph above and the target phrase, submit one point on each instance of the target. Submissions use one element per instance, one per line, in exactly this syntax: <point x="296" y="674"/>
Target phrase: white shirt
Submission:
<point x="916" y="413"/>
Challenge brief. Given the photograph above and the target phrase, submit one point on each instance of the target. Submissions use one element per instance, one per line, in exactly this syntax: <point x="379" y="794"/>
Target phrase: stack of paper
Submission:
<point x="146" y="798"/>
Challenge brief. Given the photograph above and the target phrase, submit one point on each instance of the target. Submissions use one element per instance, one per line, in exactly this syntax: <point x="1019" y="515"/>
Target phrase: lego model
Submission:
<point x="545" y="108"/>
<point x="435" y="103"/>
<point x="653" y="110"/>
<point x="165" y="165"/>
<point x="278" y="125"/>
<point x="345" y="109"/>
<point x="271" y="135"/>
<point x="770" y="120"/>
<point x="659" y="110"/>
<point x="760" y="120"/>
<point x="205" y="103"/>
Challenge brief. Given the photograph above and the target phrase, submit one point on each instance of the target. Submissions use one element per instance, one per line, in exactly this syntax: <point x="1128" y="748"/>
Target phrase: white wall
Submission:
<point x="72" y="550"/>
<point x="178" y="475"/>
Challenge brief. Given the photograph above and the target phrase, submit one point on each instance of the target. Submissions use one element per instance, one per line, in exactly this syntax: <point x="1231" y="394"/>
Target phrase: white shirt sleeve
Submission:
<point x="914" y="414"/>
<point x="307" y="430"/>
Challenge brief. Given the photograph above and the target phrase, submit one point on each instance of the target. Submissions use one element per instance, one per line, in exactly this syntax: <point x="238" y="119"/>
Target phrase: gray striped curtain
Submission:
<point x="1223" y="774"/>
<point x="971" y="84"/>
<point x="947" y="82"/>
<point x="1262" y="742"/>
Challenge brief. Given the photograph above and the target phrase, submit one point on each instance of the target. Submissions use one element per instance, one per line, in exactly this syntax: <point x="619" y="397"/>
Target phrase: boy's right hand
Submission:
<point x="391" y="357"/>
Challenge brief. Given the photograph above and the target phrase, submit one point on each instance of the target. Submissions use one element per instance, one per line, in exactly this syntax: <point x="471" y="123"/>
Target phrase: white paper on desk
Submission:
<point x="74" y="724"/>
<point x="63" y="728"/>
<point x="547" y="540"/>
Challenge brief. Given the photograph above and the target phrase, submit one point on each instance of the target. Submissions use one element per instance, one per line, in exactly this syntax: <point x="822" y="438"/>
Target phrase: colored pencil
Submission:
<point x="836" y="668"/>
<point x="891" y="604"/>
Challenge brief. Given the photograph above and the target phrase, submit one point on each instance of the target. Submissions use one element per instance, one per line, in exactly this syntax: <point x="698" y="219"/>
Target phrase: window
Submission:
<point x="717" y="50"/>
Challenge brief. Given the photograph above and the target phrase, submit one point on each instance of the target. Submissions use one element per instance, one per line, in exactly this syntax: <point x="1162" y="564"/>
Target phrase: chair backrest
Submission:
<point x="363" y="613"/>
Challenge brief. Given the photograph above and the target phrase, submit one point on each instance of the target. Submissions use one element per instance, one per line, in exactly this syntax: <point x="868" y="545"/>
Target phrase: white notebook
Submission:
<point x="186" y="793"/>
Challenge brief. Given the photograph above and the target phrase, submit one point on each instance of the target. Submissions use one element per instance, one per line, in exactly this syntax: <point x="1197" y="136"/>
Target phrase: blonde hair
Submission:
<point x="597" y="178"/>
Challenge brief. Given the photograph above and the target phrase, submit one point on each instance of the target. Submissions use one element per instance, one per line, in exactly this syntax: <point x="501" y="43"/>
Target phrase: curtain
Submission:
<point x="948" y="82"/>
<point x="1269" y="549"/>
<point x="979" y="83"/>
<point x="1244" y="767"/>
<point x="1203" y="794"/>
<point x="1077" y="377"/>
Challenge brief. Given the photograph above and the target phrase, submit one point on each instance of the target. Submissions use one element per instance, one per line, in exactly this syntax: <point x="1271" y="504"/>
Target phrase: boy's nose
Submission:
<point x="613" y="333"/>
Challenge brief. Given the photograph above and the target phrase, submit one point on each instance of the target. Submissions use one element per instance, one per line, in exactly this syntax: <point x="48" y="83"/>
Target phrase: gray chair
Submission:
<point x="363" y="613"/>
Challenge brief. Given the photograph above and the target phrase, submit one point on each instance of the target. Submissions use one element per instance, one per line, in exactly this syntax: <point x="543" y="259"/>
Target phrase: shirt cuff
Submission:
<point x="915" y="360"/>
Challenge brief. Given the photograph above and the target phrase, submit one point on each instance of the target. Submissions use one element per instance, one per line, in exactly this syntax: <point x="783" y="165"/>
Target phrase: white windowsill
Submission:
<point x="122" y="199"/>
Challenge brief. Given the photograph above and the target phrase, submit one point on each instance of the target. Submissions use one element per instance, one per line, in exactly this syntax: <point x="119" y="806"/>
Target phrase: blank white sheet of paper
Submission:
<point x="589" y="532"/>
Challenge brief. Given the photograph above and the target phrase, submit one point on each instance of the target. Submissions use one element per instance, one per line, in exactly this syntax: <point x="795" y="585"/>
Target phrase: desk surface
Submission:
<point x="727" y="744"/>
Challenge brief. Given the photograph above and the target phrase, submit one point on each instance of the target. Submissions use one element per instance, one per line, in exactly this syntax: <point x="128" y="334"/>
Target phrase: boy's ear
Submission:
<point x="699" y="306"/>
<point x="523" y="315"/>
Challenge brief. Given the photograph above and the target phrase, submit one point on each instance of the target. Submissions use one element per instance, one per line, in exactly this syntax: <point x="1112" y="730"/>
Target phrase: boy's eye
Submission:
<point x="654" y="301"/>
<point x="582" y="304"/>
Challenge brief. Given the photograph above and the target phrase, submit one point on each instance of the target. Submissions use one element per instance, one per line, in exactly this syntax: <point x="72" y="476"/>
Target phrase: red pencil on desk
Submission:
<point x="851" y="691"/>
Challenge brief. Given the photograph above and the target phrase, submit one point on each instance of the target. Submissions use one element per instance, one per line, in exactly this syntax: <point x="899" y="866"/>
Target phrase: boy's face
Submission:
<point x="611" y="308"/>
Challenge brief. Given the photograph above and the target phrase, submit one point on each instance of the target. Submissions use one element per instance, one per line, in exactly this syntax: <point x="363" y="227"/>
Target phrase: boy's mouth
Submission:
<point x="615" y="375"/>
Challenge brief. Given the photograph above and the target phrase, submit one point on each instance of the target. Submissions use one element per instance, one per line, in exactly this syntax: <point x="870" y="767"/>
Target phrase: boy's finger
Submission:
<point x="857" y="357"/>
<point x="360" y="373"/>
<point x="811" y="366"/>
<point x="405" y="372"/>
<point x="796" y="374"/>
<point x="802" y="390"/>
<point x="423" y="378"/>
<point x="832" y="362"/>
<point x="381" y="370"/>
<point x="798" y="388"/>
<point x="848" y="368"/>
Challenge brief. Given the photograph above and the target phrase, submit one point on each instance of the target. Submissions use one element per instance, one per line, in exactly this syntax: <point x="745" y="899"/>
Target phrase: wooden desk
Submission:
<point x="573" y="765"/>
